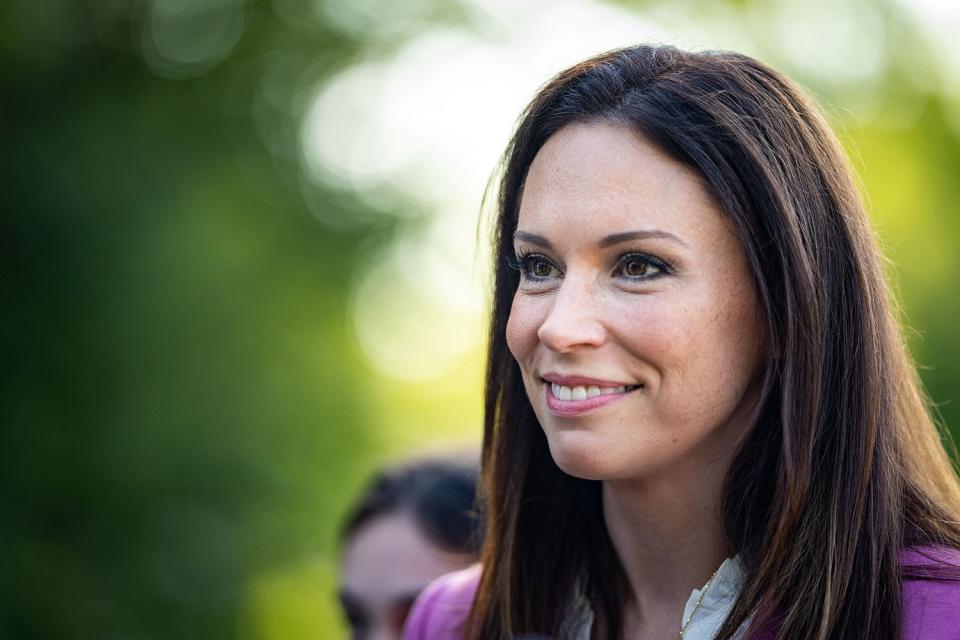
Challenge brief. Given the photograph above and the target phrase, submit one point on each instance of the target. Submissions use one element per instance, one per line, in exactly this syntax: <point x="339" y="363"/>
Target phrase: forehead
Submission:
<point x="607" y="175"/>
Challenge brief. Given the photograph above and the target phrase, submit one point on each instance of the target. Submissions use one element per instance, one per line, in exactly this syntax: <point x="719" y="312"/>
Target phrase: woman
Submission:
<point x="701" y="418"/>
<point x="414" y="522"/>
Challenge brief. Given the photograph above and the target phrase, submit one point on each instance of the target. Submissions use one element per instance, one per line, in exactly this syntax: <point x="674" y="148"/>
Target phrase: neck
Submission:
<point x="669" y="537"/>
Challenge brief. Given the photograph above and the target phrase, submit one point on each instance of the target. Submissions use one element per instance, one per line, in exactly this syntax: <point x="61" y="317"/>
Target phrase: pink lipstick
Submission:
<point x="575" y="395"/>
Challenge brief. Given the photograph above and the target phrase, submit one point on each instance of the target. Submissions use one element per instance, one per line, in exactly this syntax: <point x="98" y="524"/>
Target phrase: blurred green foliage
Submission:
<point x="183" y="415"/>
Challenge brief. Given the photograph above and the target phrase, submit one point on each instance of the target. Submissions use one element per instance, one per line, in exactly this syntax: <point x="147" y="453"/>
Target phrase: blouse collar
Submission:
<point x="717" y="603"/>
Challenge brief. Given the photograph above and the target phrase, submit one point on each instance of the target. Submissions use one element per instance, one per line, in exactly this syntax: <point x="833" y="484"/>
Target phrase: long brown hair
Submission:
<point x="843" y="466"/>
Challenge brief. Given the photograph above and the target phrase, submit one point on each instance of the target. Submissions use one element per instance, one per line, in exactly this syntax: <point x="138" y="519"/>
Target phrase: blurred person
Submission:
<point x="413" y="522"/>
<point x="702" y="420"/>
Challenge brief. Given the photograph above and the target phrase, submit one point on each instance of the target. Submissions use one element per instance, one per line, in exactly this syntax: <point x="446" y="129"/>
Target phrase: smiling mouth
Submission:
<point x="566" y="401"/>
<point x="567" y="394"/>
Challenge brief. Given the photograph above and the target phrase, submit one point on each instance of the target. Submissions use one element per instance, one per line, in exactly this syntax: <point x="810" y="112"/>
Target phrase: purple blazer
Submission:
<point x="931" y="607"/>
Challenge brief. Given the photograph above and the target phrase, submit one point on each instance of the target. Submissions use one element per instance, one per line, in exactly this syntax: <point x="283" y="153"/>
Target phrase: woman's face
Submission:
<point x="385" y="565"/>
<point x="636" y="323"/>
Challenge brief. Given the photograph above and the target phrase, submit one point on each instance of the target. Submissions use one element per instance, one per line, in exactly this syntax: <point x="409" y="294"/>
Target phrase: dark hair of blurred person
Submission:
<point x="413" y="522"/>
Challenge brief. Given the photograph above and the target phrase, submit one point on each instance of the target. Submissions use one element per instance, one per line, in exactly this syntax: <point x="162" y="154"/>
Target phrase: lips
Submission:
<point x="565" y="393"/>
<point x="575" y="395"/>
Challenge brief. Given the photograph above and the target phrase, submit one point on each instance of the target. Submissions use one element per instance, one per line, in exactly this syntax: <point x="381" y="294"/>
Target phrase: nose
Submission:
<point x="574" y="321"/>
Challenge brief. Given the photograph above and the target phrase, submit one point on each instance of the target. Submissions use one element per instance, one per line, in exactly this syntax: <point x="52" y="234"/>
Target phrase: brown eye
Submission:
<point x="636" y="268"/>
<point x="536" y="268"/>
<point x="541" y="268"/>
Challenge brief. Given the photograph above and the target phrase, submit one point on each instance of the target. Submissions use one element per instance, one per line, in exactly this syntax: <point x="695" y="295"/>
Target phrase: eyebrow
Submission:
<point x="606" y="241"/>
<point x="532" y="238"/>
<point x="617" y="238"/>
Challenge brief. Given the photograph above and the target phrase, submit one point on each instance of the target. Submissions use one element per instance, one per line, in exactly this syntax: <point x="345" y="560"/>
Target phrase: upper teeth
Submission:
<point x="561" y="392"/>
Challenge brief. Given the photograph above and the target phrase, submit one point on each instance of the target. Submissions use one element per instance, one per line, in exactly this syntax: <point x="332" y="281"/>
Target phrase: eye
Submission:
<point x="635" y="268"/>
<point x="535" y="267"/>
<point x="639" y="266"/>
<point x="540" y="268"/>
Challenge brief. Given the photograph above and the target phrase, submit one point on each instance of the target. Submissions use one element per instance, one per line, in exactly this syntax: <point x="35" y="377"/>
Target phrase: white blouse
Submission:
<point x="718" y="601"/>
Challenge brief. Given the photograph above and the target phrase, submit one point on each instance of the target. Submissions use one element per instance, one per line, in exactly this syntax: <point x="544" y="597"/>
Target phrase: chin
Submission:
<point x="589" y="456"/>
<point x="580" y="455"/>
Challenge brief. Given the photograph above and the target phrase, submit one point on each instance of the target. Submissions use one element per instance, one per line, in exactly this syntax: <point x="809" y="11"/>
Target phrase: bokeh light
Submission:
<point x="187" y="38"/>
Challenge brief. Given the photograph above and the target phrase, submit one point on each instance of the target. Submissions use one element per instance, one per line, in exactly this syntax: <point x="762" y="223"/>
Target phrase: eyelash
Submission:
<point x="524" y="262"/>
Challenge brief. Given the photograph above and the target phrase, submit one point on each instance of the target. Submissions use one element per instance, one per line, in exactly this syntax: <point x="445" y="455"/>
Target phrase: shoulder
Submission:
<point x="931" y="593"/>
<point x="441" y="609"/>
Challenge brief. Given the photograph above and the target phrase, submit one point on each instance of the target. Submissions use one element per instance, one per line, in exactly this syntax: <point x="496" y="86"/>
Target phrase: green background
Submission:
<point x="184" y="411"/>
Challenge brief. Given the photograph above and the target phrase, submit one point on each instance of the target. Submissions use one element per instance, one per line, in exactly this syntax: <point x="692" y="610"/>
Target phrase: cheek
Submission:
<point x="659" y="331"/>
<point x="705" y="351"/>
<point x="730" y="349"/>
<point x="522" y="327"/>
<point x="738" y="326"/>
